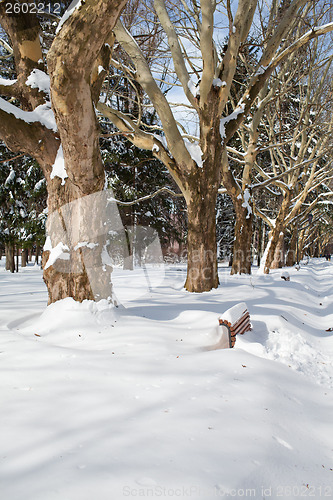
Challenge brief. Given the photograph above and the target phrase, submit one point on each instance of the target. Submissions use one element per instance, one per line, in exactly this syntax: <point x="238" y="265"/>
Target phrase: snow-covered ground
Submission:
<point x="104" y="403"/>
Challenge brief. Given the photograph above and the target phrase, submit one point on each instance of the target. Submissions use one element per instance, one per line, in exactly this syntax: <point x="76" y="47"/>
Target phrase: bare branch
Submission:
<point x="176" y="52"/>
<point x="147" y="197"/>
<point x="145" y="78"/>
<point x="207" y="47"/>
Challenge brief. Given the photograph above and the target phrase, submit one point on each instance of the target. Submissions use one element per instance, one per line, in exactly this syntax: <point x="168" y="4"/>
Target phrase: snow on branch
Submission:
<point x="233" y="116"/>
<point x="76" y="4"/>
<point x="246" y="196"/>
<point x="59" y="169"/>
<point x="8" y="87"/>
<point x="38" y="80"/>
<point x="43" y="114"/>
<point x="6" y="83"/>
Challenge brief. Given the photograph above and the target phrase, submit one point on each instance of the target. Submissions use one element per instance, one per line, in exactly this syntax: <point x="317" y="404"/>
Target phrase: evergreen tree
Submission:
<point x="22" y="203"/>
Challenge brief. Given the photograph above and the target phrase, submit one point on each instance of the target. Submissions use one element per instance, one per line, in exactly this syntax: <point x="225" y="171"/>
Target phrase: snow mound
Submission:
<point x="71" y="323"/>
<point x="294" y="351"/>
<point x="234" y="313"/>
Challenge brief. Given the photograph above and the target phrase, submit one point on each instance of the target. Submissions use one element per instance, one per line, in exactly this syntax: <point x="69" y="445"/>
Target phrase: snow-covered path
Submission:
<point x="124" y="403"/>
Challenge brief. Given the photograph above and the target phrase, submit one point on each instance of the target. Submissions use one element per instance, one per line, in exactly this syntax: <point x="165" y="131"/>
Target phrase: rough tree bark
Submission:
<point x="74" y="83"/>
<point x="24" y="257"/>
<point x="202" y="273"/>
<point x="291" y="254"/>
<point x="10" y="257"/>
<point x="278" y="259"/>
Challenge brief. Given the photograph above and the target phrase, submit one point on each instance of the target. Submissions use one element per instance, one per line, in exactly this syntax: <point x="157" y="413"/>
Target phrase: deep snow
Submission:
<point x="104" y="403"/>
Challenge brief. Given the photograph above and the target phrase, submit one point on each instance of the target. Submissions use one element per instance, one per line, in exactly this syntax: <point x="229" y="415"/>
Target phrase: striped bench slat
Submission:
<point x="241" y="322"/>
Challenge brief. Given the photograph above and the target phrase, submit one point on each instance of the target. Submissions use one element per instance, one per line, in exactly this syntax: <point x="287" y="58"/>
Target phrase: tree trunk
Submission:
<point x="273" y="242"/>
<point x="202" y="273"/>
<point x="24" y="257"/>
<point x="78" y="272"/>
<point x="291" y="255"/>
<point x="241" y="263"/>
<point x="37" y="254"/>
<point x="259" y="240"/>
<point x="201" y="187"/>
<point x="301" y="241"/>
<point x="17" y="259"/>
<point x="79" y="211"/>
<point x="276" y="237"/>
<point x="10" y="257"/>
<point x="129" y="250"/>
<point x="278" y="259"/>
<point x="78" y="230"/>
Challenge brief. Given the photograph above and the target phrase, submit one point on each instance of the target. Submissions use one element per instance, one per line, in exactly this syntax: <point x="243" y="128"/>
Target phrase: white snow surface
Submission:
<point x="104" y="402"/>
<point x="60" y="251"/>
<point x="217" y="82"/>
<point x="193" y="87"/>
<point x="59" y="169"/>
<point x="42" y="114"/>
<point x="6" y="82"/>
<point x="227" y="119"/>
<point x="234" y="313"/>
<point x="39" y="80"/>
<point x="10" y="177"/>
<point x="195" y="151"/>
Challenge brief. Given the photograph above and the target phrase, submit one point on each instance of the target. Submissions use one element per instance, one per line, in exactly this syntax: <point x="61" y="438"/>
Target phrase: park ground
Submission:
<point x="107" y="403"/>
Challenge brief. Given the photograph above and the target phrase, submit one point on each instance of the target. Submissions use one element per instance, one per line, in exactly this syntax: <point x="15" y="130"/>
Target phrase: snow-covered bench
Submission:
<point x="234" y="321"/>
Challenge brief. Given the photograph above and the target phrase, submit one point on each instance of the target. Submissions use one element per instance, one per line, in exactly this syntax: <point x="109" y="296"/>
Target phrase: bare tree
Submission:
<point x="199" y="163"/>
<point x="300" y="128"/>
